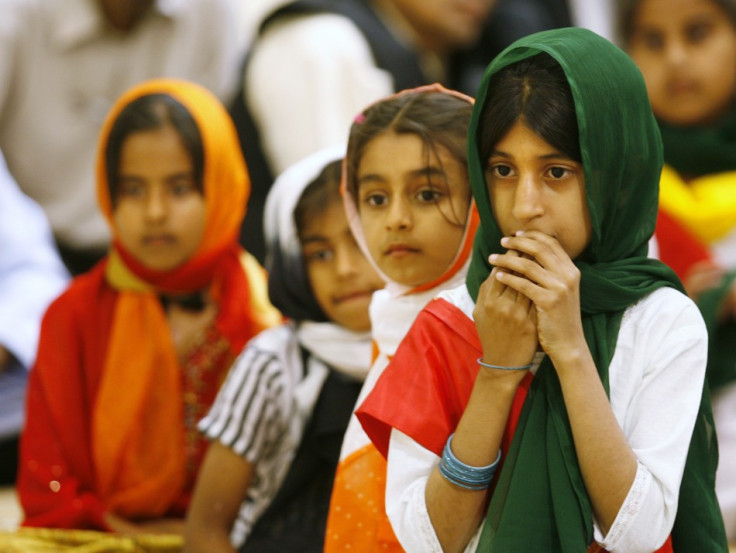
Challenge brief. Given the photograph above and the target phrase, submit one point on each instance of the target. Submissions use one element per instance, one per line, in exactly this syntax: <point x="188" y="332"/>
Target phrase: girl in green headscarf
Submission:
<point x="686" y="50"/>
<point x="555" y="402"/>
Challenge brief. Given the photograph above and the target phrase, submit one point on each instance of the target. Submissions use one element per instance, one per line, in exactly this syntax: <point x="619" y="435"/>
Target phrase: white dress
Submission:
<point x="656" y="377"/>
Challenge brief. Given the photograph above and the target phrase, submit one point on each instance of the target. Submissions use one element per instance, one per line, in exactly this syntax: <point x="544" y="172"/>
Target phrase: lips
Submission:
<point x="400" y="250"/>
<point x="682" y="86"/>
<point x="354" y="295"/>
<point x="159" y="239"/>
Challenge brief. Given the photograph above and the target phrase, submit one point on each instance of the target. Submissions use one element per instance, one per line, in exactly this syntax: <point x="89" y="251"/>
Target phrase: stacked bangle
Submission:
<point x="487" y="366"/>
<point x="466" y="476"/>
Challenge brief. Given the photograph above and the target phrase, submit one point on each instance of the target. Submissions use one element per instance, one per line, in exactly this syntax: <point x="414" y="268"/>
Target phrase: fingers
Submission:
<point x="549" y="264"/>
<point x="541" y="247"/>
<point x="524" y="267"/>
<point x="509" y="293"/>
<point x="494" y="290"/>
<point x="537" y="268"/>
<point x="526" y="290"/>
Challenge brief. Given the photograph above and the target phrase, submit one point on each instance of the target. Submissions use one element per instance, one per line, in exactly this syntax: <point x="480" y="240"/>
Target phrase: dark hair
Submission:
<point x="146" y="113"/>
<point x="536" y="91"/>
<point x="626" y="12"/>
<point x="438" y="118"/>
<point x="318" y="195"/>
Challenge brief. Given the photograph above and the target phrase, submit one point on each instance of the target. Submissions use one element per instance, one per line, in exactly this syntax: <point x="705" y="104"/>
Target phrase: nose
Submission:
<point x="528" y="202"/>
<point x="156" y="207"/>
<point x="399" y="215"/>
<point x="347" y="257"/>
<point x="676" y="53"/>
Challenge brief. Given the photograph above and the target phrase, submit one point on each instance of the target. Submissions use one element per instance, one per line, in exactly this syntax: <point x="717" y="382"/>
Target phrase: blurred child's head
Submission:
<point x="124" y="16"/>
<point x="316" y="270"/>
<point x="529" y="142"/>
<point x="154" y="164"/>
<point x="686" y="50"/>
<point x="406" y="172"/>
<point x="151" y="113"/>
<point x="171" y="178"/>
<point x="446" y="25"/>
<point x="341" y="278"/>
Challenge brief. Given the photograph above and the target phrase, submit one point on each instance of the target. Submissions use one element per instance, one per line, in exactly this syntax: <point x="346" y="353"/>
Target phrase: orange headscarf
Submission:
<point x="137" y="427"/>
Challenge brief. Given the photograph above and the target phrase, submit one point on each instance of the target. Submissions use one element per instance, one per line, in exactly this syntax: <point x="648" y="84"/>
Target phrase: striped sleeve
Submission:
<point x="250" y="410"/>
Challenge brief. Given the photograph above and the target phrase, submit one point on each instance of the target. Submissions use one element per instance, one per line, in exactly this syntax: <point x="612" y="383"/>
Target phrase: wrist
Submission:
<point x="571" y="359"/>
<point x="503" y="367"/>
<point x="492" y="359"/>
<point x="502" y="382"/>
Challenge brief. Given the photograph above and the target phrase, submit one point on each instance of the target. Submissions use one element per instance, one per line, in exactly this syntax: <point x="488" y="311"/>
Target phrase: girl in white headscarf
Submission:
<point x="278" y="421"/>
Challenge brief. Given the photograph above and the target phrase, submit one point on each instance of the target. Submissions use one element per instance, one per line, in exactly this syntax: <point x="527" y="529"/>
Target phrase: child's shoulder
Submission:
<point x="86" y="292"/>
<point x="459" y="298"/>
<point x="663" y="311"/>
<point x="272" y="360"/>
<point x="276" y="349"/>
<point x="275" y="339"/>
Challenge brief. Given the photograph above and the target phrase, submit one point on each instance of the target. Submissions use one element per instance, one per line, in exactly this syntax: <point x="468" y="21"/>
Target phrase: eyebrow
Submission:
<point x="173" y="176"/>
<point x="697" y="19"/>
<point x="554" y="155"/>
<point x="182" y="174"/>
<point x="314" y="238"/>
<point x="429" y="171"/>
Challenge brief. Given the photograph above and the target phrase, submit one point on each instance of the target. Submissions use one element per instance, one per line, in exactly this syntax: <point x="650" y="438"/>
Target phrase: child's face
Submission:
<point x="446" y="25"/>
<point x="686" y="50"/>
<point x="342" y="279"/>
<point x="533" y="186"/>
<point x="413" y="205"/>
<point x="159" y="213"/>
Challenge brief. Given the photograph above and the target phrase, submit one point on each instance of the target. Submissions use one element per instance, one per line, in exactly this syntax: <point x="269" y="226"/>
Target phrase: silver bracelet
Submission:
<point x="499" y="367"/>
<point x="466" y="476"/>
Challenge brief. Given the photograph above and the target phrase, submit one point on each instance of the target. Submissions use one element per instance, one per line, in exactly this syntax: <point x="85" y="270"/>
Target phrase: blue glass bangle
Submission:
<point x="466" y="476"/>
<point x="499" y="367"/>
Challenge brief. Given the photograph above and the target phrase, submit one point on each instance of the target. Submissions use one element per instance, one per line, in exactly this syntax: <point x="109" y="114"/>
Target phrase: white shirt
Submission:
<point x="656" y="377"/>
<point x="61" y="69"/>
<point x="31" y="276"/>
<point x="31" y="273"/>
<point x="307" y="79"/>
<point x="598" y="16"/>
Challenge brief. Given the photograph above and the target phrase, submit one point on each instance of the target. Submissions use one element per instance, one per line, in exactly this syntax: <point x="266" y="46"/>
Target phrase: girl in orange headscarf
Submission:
<point x="132" y="354"/>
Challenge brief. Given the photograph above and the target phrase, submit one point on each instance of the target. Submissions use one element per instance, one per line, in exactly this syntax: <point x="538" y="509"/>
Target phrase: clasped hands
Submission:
<point x="530" y="301"/>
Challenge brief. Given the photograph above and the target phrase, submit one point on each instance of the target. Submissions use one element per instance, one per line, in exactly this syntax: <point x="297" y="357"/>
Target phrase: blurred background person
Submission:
<point x="598" y="16"/>
<point x="62" y="64"/>
<point x="31" y="276"/>
<point x="132" y="354"/>
<point x="686" y="50"/>
<point x="314" y="64"/>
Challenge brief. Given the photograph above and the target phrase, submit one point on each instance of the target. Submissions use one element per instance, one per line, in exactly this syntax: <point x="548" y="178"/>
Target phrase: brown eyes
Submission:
<point x="558" y="172"/>
<point x="500" y="170"/>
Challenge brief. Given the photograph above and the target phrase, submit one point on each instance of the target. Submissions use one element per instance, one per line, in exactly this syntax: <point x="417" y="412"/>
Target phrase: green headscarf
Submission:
<point x="538" y="508"/>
